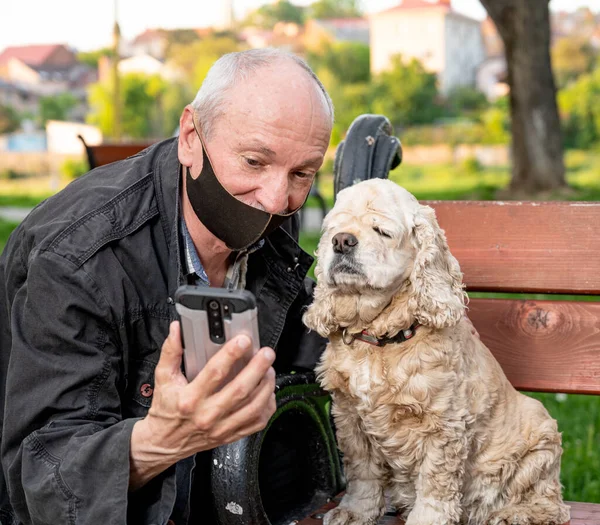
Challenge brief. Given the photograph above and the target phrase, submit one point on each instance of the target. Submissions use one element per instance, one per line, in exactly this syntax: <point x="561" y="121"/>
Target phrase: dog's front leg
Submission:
<point x="439" y="483"/>
<point x="363" y="503"/>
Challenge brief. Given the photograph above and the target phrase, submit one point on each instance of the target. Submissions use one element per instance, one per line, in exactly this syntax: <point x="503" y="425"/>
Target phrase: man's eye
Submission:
<point x="382" y="232"/>
<point x="253" y="163"/>
<point x="302" y="175"/>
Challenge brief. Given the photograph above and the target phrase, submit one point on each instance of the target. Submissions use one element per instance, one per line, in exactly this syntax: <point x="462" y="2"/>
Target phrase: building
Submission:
<point x="45" y="69"/>
<point x="139" y="64"/>
<point x="151" y="42"/>
<point x="446" y="42"/>
<point x="317" y="31"/>
<point x="492" y="74"/>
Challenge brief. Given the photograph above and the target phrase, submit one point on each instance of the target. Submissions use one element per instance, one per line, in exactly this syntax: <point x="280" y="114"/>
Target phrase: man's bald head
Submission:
<point x="234" y="69"/>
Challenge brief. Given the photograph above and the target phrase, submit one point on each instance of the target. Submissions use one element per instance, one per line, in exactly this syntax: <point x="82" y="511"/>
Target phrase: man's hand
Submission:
<point x="186" y="418"/>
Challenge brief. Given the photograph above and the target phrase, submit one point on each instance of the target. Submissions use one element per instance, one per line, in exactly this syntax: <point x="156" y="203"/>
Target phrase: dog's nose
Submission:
<point x="344" y="242"/>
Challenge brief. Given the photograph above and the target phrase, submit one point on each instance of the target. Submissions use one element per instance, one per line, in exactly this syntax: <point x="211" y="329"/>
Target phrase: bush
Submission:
<point x="10" y="174"/>
<point x="73" y="168"/>
<point x="471" y="166"/>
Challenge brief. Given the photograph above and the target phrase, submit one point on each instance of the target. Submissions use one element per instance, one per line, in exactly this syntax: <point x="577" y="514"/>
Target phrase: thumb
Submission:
<point x="169" y="363"/>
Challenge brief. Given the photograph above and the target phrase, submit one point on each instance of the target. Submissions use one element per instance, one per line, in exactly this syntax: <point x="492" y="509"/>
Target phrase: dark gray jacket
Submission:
<point x="86" y="283"/>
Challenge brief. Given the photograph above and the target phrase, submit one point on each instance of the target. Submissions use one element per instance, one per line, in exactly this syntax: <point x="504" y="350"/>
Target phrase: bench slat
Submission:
<point x="538" y="247"/>
<point x="107" y="153"/>
<point x="547" y="346"/>
<point x="581" y="514"/>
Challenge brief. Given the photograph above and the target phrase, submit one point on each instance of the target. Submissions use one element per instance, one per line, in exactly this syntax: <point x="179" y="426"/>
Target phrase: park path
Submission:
<point x="13" y="213"/>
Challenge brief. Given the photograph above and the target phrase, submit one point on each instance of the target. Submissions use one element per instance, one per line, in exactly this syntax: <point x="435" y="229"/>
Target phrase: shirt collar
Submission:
<point x="193" y="269"/>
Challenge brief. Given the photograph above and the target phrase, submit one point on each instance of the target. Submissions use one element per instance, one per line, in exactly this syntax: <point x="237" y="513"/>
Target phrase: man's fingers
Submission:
<point x="235" y="393"/>
<point x="169" y="363"/>
<point x="255" y="414"/>
<point x="219" y="366"/>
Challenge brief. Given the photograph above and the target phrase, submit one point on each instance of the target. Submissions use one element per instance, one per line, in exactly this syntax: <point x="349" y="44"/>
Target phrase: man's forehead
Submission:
<point x="271" y="90"/>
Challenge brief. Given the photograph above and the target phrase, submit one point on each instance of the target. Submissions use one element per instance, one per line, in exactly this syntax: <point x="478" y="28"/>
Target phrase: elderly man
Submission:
<point x="99" y="425"/>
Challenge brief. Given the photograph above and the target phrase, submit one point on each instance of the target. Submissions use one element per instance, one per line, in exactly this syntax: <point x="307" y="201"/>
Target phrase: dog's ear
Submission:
<point x="436" y="294"/>
<point x="320" y="314"/>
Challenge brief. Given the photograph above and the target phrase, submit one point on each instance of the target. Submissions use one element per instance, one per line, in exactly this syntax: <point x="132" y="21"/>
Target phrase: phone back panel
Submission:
<point x="199" y="348"/>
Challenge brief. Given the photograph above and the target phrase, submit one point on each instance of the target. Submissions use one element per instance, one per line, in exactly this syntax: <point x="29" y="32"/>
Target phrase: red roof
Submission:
<point x="149" y="35"/>
<point x="34" y="55"/>
<point x="418" y="4"/>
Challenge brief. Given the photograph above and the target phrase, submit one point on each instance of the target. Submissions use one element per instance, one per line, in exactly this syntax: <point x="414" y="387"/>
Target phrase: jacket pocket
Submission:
<point x="140" y="386"/>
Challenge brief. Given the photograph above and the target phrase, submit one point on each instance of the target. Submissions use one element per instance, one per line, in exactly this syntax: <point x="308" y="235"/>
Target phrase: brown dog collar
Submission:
<point x="365" y="337"/>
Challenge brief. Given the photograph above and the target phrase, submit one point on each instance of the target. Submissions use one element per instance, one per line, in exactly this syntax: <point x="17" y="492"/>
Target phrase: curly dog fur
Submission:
<point x="432" y="423"/>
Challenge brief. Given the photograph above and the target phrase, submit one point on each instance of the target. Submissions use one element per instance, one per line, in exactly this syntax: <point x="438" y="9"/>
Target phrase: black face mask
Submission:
<point x="237" y="224"/>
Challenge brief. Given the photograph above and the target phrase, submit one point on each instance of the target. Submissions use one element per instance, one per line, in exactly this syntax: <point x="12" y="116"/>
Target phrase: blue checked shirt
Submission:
<point x="194" y="271"/>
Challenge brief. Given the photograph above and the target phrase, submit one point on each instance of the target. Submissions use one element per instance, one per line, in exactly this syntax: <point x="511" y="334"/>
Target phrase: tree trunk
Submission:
<point x="524" y="26"/>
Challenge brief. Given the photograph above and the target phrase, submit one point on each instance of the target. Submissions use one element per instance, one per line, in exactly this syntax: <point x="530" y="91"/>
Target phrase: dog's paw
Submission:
<point x="342" y="516"/>
<point x="530" y="515"/>
<point x="508" y="516"/>
<point x="428" y="515"/>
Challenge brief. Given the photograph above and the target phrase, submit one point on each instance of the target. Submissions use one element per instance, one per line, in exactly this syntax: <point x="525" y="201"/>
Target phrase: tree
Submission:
<point x="268" y="15"/>
<point x="196" y="59"/>
<point x="9" y="120"/>
<point x="142" y="106"/>
<point x="348" y="61"/>
<point x="572" y="57"/>
<point x="335" y="9"/>
<point x="466" y="101"/>
<point x="579" y="105"/>
<point x="524" y="26"/>
<point x="91" y="58"/>
<point x="406" y="93"/>
<point x="56" y="107"/>
<point x="179" y="37"/>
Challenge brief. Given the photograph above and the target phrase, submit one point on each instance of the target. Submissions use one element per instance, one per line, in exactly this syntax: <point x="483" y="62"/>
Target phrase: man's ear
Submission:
<point x="187" y="137"/>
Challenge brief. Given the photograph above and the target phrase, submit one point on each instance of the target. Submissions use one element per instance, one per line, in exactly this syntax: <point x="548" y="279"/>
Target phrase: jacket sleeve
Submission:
<point x="65" y="445"/>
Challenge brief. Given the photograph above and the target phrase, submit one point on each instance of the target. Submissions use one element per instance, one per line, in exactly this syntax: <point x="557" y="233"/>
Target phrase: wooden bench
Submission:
<point x="530" y="248"/>
<point x="107" y="152"/>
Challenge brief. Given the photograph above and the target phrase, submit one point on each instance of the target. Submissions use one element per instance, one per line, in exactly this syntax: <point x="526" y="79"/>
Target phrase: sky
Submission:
<point x="87" y="24"/>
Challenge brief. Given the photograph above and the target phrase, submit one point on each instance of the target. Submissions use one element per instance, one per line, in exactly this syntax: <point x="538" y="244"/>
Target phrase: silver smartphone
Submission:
<point x="209" y="318"/>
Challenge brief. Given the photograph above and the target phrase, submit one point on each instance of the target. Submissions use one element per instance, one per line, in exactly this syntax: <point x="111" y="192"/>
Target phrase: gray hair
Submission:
<point x="233" y="67"/>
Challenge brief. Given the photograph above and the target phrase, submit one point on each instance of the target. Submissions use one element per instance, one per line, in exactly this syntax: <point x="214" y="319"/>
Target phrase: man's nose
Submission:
<point x="344" y="243"/>
<point x="274" y="196"/>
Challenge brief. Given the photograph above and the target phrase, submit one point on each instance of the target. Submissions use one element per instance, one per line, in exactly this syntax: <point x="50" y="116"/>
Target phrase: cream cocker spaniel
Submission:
<point x="424" y="413"/>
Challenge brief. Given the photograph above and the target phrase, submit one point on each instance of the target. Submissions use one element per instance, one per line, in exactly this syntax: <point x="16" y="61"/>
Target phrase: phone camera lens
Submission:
<point x="213" y="305"/>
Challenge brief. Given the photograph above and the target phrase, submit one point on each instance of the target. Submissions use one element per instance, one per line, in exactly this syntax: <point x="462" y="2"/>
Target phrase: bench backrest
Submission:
<point x="532" y="248"/>
<point x="101" y="154"/>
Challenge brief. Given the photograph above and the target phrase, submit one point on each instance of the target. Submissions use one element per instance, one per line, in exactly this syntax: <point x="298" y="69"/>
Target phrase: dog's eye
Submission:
<point x="382" y="232"/>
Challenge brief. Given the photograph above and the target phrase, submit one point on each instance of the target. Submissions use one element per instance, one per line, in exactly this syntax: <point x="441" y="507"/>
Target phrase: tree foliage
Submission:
<point x="9" y="119"/>
<point x="197" y="58"/>
<point x="579" y="105"/>
<point x="335" y="9"/>
<point x="268" y="15"/>
<point x="143" y="108"/>
<point x="91" y="58"/>
<point x="56" y="107"/>
<point x="350" y="62"/>
<point x="407" y="94"/>
<point x="572" y="57"/>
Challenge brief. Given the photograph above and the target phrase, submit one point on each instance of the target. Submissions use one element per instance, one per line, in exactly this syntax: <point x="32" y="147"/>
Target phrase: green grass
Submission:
<point x="457" y="182"/>
<point x="21" y="200"/>
<point x="579" y="421"/>
<point x="5" y="230"/>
